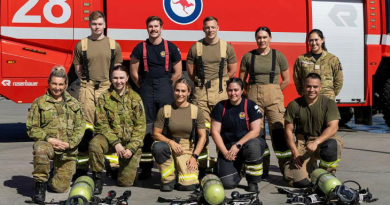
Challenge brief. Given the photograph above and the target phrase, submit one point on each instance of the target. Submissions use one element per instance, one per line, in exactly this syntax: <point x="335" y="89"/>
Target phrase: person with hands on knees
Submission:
<point x="120" y="127"/>
<point x="180" y="135"/>
<point x="56" y="123"/>
<point x="315" y="119"/>
<point x="235" y="129"/>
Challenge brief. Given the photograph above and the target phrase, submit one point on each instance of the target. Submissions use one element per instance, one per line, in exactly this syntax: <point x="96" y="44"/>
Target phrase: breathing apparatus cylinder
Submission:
<point x="83" y="187"/>
<point x="213" y="190"/>
<point x="326" y="181"/>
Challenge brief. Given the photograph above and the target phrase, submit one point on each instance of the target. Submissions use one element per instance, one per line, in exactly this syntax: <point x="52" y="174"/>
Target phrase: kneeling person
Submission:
<point x="315" y="118"/>
<point x="120" y="126"/>
<point x="235" y="128"/>
<point x="179" y="147"/>
<point x="56" y="123"/>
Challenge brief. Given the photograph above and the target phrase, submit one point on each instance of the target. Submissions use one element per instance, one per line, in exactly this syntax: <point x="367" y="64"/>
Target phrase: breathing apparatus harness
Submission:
<point x="340" y="195"/>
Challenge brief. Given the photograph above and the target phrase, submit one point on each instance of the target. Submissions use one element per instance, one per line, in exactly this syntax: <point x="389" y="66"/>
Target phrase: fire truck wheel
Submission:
<point x="346" y="114"/>
<point x="385" y="98"/>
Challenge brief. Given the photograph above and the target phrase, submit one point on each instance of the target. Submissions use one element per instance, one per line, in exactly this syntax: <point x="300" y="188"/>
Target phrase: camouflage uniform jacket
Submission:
<point x="50" y="118"/>
<point x="121" y="119"/>
<point x="327" y="66"/>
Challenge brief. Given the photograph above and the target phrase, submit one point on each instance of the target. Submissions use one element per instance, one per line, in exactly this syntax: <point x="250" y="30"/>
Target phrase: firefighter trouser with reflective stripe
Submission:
<point x="169" y="163"/>
<point x="89" y="94"/>
<point x="63" y="167"/>
<point x="127" y="167"/>
<point x="206" y="97"/>
<point x="251" y="155"/>
<point x="155" y="93"/>
<point x="270" y="100"/>
<point x="329" y="154"/>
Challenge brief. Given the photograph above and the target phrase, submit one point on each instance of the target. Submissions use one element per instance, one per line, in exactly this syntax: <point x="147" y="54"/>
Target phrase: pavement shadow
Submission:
<point x="23" y="185"/>
<point x="13" y="132"/>
<point x="151" y="183"/>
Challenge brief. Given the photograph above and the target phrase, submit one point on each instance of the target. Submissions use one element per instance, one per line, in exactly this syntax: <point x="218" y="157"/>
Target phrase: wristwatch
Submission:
<point x="238" y="145"/>
<point x="195" y="156"/>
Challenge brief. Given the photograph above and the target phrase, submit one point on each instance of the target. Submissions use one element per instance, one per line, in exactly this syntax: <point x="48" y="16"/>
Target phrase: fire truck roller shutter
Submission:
<point x="342" y="23"/>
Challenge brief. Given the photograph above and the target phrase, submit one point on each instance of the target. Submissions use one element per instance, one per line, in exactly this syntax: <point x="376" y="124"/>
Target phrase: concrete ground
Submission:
<point x="365" y="158"/>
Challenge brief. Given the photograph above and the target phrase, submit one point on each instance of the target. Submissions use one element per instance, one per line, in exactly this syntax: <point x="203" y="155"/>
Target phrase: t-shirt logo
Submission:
<point x="242" y="115"/>
<point x="257" y="108"/>
<point x="162" y="54"/>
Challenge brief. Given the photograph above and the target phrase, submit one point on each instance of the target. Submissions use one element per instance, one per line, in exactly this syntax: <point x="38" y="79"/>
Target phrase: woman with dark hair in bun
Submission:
<point x="120" y="126"/>
<point x="264" y="65"/>
<point x="235" y="128"/>
<point x="319" y="60"/>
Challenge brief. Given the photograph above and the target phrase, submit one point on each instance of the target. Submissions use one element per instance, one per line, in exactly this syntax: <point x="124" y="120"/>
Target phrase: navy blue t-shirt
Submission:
<point x="234" y="125"/>
<point x="156" y="58"/>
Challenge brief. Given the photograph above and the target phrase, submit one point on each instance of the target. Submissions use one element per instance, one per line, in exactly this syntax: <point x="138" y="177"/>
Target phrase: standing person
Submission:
<point x="94" y="57"/>
<point x="56" y="123"/>
<point x="319" y="60"/>
<point x="155" y="65"/>
<point x="315" y="118"/>
<point x="120" y="128"/>
<point x="210" y="63"/>
<point x="235" y="128"/>
<point x="264" y="66"/>
<point x="184" y="137"/>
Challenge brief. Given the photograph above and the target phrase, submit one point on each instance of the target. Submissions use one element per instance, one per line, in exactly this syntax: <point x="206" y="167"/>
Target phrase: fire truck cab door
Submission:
<point x="342" y="23"/>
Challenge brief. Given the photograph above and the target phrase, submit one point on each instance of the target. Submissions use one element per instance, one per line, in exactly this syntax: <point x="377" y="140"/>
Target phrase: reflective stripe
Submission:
<point x="165" y="173"/>
<point x="208" y="125"/>
<point x="188" y="177"/>
<point x="82" y="160"/>
<point x="326" y="164"/>
<point x="254" y="173"/>
<point x="146" y="155"/>
<point x="203" y="155"/>
<point x="266" y="152"/>
<point x="89" y="126"/>
<point x="282" y="155"/>
<point x="254" y="170"/>
<point x="112" y="158"/>
<point x="147" y="160"/>
<point x="254" y="167"/>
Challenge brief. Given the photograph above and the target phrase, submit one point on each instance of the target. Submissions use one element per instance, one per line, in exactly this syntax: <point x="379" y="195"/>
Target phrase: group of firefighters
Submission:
<point x="154" y="122"/>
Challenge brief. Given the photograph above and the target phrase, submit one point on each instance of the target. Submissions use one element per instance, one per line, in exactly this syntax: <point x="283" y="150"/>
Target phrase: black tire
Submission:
<point x="346" y="114"/>
<point x="385" y="99"/>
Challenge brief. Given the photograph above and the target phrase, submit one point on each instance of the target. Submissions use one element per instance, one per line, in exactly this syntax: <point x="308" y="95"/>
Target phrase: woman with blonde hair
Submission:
<point x="56" y="124"/>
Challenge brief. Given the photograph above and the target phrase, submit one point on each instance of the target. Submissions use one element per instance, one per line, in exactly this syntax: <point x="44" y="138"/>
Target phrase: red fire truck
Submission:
<point x="37" y="34"/>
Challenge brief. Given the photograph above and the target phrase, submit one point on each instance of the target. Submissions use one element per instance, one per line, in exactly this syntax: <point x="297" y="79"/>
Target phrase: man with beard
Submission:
<point x="155" y="65"/>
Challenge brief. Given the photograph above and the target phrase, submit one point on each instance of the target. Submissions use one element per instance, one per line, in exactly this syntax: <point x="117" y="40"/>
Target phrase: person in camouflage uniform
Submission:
<point x="319" y="61"/>
<point x="120" y="127"/>
<point x="56" y="123"/>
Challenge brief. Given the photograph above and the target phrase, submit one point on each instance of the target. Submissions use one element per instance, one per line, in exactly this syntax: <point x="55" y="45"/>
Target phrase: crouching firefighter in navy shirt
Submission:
<point x="235" y="128"/>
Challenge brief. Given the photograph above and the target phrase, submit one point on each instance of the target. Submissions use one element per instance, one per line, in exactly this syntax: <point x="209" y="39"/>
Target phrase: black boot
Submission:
<point x="98" y="179"/>
<point x="145" y="174"/>
<point x="79" y="173"/>
<point x="252" y="187"/>
<point x="168" y="187"/>
<point x="40" y="193"/>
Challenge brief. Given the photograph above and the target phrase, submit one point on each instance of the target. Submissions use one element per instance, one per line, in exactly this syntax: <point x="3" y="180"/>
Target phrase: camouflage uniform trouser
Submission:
<point x="328" y="152"/>
<point x="206" y="98"/>
<point x="63" y="168"/>
<point x="127" y="167"/>
<point x="88" y="97"/>
<point x="270" y="100"/>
